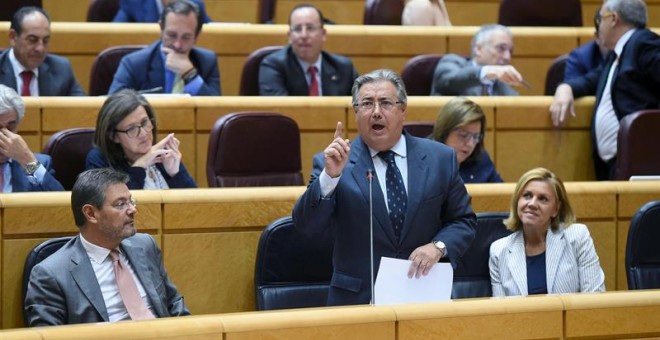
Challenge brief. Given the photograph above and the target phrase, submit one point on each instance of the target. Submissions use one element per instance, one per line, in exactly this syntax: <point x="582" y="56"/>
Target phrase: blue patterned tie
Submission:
<point x="397" y="199"/>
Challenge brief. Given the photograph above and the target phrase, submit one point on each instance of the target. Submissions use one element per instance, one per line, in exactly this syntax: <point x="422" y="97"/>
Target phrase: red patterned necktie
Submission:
<point x="27" y="78"/>
<point x="128" y="290"/>
<point x="313" y="83"/>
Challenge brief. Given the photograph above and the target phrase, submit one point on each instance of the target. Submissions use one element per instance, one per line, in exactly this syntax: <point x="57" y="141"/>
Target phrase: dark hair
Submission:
<point x="90" y="188"/>
<point x="17" y="19"/>
<point x="321" y="18"/>
<point x="183" y="7"/>
<point x="114" y="110"/>
<point x="457" y="113"/>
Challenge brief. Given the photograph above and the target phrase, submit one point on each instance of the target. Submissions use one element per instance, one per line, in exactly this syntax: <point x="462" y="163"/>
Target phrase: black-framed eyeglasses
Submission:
<point x="370" y="106"/>
<point x="145" y="125"/>
<point x="311" y="29"/>
<point x="124" y="204"/>
<point x="465" y="136"/>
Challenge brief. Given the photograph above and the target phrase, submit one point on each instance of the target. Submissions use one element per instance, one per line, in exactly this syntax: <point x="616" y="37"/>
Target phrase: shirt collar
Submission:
<point x="306" y="65"/>
<point x="98" y="254"/>
<point x="622" y="42"/>
<point x="18" y="67"/>
<point x="399" y="148"/>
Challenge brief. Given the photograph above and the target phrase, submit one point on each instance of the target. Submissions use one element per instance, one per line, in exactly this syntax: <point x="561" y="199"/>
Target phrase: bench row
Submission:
<point x="519" y="132"/>
<point x="209" y="236"/>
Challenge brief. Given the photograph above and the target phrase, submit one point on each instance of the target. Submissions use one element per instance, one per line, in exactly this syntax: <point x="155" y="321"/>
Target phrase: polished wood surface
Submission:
<point x="572" y="316"/>
<point x="519" y="132"/>
<point x="209" y="236"/>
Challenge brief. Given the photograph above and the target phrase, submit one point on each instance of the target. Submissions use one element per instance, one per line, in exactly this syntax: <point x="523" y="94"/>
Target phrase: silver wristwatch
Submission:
<point x="32" y="167"/>
<point x="441" y="247"/>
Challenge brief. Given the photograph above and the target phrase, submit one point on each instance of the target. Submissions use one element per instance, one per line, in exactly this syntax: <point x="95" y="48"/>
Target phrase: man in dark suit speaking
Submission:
<point x="106" y="273"/>
<point x="27" y="66"/>
<point x="303" y="68"/>
<point x="421" y="209"/>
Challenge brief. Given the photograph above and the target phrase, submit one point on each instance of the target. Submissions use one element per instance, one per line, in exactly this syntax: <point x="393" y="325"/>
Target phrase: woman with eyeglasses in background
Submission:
<point x="461" y="124"/>
<point x="124" y="140"/>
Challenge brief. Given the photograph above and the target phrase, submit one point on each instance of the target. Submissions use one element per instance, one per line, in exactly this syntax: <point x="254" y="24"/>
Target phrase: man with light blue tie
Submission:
<point x="20" y="168"/>
<point x="421" y="210"/>
<point x="173" y="64"/>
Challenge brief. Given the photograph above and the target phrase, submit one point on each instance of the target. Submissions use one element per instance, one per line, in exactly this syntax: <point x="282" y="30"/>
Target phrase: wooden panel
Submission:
<point x="216" y="275"/>
<point x="339" y="11"/>
<point x="530" y="318"/>
<point x="619" y="315"/>
<point x="621" y="242"/>
<point x="244" y="11"/>
<point x="604" y="235"/>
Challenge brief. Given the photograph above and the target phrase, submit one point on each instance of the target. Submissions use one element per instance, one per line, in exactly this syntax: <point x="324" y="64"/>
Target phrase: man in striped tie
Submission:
<point x="108" y="272"/>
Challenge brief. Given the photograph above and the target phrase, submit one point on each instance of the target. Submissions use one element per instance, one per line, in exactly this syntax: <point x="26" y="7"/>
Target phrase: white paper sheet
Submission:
<point x="393" y="285"/>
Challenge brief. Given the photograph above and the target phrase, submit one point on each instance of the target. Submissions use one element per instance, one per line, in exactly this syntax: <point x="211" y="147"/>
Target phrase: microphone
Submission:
<point x="370" y="178"/>
<point x="158" y="89"/>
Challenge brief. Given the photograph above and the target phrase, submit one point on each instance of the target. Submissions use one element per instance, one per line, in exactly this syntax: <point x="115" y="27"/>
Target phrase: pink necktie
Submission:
<point x="129" y="291"/>
<point x="27" y="78"/>
<point x="313" y="83"/>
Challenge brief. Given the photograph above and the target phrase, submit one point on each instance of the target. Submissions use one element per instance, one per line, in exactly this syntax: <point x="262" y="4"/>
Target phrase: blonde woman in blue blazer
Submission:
<point x="548" y="253"/>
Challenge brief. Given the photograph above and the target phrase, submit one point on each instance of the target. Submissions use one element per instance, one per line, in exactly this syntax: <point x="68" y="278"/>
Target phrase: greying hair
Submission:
<point x="10" y="100"/>
<point x="483" y="34"/>
<point x="380" y="75"/>
<point x="632" y="12"/>
<point x="90" y="188"/>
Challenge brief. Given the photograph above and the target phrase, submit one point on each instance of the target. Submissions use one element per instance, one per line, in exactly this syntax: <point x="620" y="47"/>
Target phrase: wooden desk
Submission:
<point x="209" y="236"/>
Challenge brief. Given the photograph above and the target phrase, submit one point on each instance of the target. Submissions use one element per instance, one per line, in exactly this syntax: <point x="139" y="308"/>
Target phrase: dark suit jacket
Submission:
<point x="55" y="76"/>
<point x="438" y="209"/>
<point x="458" y="76"/>
<point x="582" y="60"/>
<point x="479" y="170"/>
<point x="147" y="11"/>
<point x="63" y="288"/>
<point x="21" y="182"/>
<point x="144" y="70"/>
<point x="96" y="159"/>
<point x="636" y="79"/>
<point x="280" y="74"/>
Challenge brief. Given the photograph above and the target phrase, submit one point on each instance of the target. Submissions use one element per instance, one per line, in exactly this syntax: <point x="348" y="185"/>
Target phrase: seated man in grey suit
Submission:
<point x="106" y="273"/>
<point x="488" y="73"/>
<point x="303" y="68"/>
<point x="27" y="66"/>
<point x="173" y="64"/>
<point x="20" y="169"/>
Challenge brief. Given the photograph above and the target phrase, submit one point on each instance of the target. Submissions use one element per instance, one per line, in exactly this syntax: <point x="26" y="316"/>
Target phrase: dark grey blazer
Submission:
<point x="457" y="76"/>
<point x="280" y="74"/>
<point x="55" y="76"/>
<point x="63" y="288"/>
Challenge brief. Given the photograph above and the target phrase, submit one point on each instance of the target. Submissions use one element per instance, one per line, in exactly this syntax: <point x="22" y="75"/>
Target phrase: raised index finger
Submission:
<point x="339" y="131"/>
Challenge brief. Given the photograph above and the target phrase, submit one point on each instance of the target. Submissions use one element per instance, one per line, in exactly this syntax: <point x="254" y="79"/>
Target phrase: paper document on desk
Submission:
<point x="393" y="285"/>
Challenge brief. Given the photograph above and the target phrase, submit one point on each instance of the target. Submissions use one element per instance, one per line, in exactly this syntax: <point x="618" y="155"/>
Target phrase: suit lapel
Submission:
<point x="81" y="271"/>
<point x="44" y="80"/>
<point x="553" y="255"/>
<point x="135" y="255"/>
<point x="361" y="160"/>
<point x="417" y="170"/>
<point x="7" y="73"/>
<point x="517" y="264"/>
<point x="328" y="78"/>
<point x="19" y="180"/>
<point x="156" y="74"/>
<point x="611" y="57"/>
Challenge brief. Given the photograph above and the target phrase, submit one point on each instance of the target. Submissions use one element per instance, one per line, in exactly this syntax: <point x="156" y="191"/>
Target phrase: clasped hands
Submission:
<point x="165" y="152"/>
